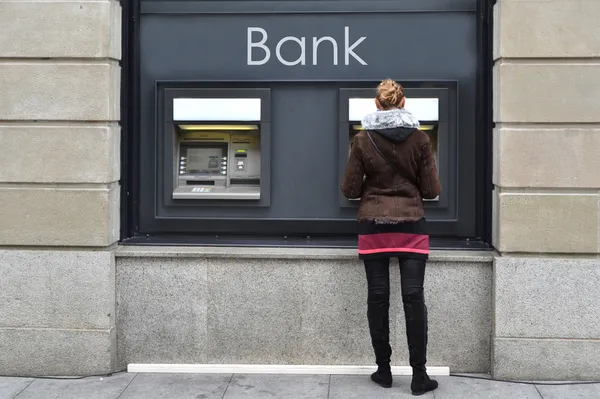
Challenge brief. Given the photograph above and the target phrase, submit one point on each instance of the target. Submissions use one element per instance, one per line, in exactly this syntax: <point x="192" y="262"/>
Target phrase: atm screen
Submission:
<point x="204" y="160"/>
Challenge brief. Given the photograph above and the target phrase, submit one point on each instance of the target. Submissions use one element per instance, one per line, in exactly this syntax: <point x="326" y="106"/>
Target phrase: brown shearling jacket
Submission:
<point x="385" y="195"/>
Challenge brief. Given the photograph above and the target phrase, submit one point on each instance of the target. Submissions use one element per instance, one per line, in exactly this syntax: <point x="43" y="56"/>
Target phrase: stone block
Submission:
<point x="89" y="388"/>
<point x="10" y="387"/>
<point x="546" y="29"/>
<point x="254" y="311"/>
<point x="278" y="386"/>
<point x="57" y="289"/>
<point x="547" y="297"/>
<point x="50" y="352"/>
<point x="361" y="387"/>
<point x="547" y="157"/>
<point x="545" y="92"/>
<point x="547" y="222"/>
<point x="459" y="302"/>
<point x="161" y="310"/>
<point x="580" y="391"/>
<point x="481" y="388"/>
<point x="42" y="153"/>
<point x="162" y="386"/>
<point x="73" y="91"/>
<point x="52" y="216"/>
<point x="546" y="359"/>
<point x="60" y="29"/>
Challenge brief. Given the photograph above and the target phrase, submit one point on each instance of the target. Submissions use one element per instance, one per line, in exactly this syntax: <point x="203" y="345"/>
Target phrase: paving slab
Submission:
<point x="361" y="387"/>
<point x="179" y="386"/>
<point x="579" y="391"/>
<point x="92" y="387"/>
<point x="458" y="388"/>
<point x="218" y="386"/>
<point x="10" y="387"/>
<point x="255" y="386"/>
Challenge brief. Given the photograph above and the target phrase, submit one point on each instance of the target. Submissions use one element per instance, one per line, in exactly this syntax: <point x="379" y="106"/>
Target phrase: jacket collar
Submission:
<point x="390" y="119"/>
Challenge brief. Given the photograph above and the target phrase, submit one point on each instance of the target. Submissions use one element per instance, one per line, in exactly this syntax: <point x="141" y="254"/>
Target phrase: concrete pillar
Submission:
<point x="547" y="181"/>
<point x="59" y="190"/>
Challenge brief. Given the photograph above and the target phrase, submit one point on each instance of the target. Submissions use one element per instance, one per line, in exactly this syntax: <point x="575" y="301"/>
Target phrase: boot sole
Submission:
<point x="420" y="393"/>
<point x="381" y="384"/>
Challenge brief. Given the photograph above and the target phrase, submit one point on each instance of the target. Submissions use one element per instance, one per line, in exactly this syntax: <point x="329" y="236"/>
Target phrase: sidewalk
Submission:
<point x="198" y="386"/>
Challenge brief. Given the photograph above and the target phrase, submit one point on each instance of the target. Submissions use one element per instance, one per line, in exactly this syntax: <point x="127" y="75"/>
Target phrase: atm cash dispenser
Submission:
<point x="426" y="110"/>
<point x="218" y="161"/>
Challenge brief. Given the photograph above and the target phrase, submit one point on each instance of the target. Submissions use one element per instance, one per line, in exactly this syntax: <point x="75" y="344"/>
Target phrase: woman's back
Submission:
<point x="391" y="193"/>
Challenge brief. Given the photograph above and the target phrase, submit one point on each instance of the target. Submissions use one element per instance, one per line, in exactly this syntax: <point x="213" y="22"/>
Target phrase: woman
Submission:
<point x="391" y="169"/>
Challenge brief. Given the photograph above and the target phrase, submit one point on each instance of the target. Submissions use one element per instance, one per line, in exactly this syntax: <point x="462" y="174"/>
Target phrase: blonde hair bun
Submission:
<point x="390" y="94"/>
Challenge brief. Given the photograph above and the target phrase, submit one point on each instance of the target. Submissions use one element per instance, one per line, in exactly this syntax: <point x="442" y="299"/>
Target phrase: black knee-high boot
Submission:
<point x="378" y="316"/>
<point x="415" y="313"/>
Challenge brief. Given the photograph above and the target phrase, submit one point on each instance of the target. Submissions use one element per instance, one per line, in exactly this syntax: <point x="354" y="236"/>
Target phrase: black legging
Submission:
<point x="412" y="273"/>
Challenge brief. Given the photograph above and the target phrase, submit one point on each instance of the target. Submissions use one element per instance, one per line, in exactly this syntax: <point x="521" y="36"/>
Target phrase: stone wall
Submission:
<point x="547" y="181"/>
<point x="290" y="306"/>
<point x="59" y="191"/>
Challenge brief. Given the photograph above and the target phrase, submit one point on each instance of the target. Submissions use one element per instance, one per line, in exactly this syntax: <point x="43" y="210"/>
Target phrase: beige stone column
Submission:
<point x="547" y="181"/>
<point x="59" y="190"/>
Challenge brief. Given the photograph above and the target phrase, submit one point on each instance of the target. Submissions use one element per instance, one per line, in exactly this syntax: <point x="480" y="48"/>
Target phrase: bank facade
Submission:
<point x="169" y="182"/>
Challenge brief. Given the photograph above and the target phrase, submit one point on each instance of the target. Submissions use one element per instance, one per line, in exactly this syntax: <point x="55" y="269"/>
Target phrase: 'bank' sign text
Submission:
<point x="258" y="46"/>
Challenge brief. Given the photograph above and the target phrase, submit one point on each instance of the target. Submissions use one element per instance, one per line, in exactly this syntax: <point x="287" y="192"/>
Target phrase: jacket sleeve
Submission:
<point x="352" y="182"/>
<point x="429" y="180"/>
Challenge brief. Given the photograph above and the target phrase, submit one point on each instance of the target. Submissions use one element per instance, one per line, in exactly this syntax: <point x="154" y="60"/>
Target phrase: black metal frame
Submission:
<point x="484" y="112"/>
<point x="130" y="119"/>
<point x="130" y="123"/>
<point x="302" y="6"/>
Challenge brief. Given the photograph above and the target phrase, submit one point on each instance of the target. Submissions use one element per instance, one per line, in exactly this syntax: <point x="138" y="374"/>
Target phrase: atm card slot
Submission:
<point x="249" y="182"/>
<point x="200" y="183"/>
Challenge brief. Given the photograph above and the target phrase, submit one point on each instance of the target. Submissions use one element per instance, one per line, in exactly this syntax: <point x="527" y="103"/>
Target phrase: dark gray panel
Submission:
<point x="210" y="51"/>
<point x="429" y="46"/>
<point x="305" y="144"/>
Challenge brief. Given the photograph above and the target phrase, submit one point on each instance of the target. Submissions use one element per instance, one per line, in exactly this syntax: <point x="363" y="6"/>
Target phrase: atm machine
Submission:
<point x="426" y="110"/>
<point x="217" y="149"/>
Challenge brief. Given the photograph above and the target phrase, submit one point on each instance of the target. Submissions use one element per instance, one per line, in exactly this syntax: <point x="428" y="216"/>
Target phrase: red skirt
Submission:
<point x="402" y="240"/>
